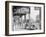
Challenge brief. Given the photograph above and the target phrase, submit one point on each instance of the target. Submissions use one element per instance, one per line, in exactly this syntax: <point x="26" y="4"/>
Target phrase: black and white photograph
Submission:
<point x="25" y="18"/>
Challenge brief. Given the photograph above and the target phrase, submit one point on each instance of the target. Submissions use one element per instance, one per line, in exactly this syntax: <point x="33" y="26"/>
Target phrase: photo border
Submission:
<point x="7" y="18"/>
